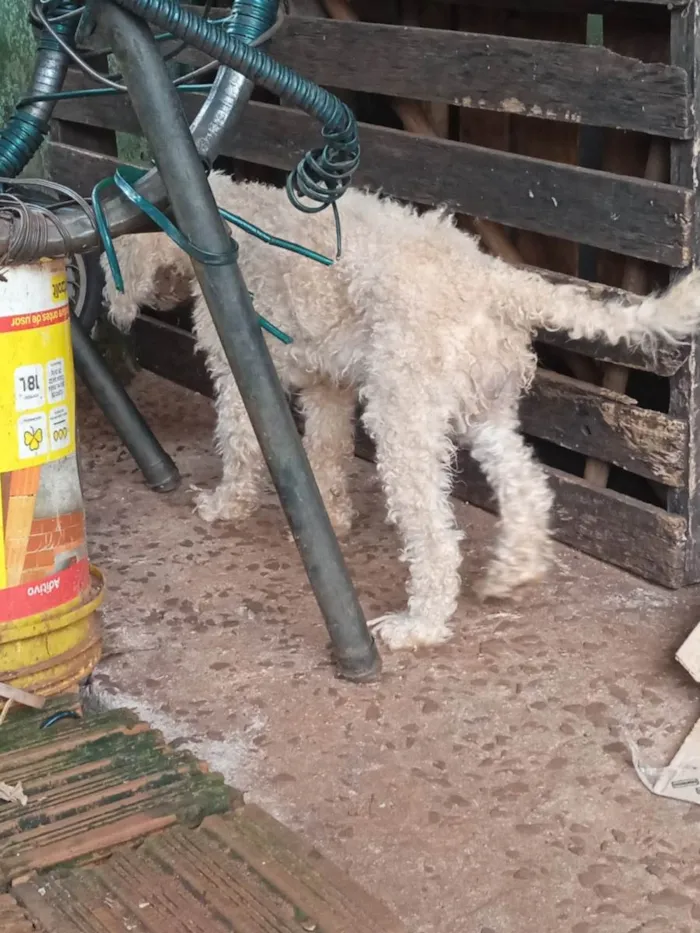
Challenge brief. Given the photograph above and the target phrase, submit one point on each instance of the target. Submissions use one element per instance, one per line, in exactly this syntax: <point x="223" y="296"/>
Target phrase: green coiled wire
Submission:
<point x="123" y="178"/>
<point x="251" y="18"/>
<point x="323" y="175"/>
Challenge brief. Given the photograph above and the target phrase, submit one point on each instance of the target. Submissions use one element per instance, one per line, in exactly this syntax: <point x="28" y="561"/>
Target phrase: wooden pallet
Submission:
<point x="122" y="832"/>
<point x="92" y="785"/>
<point x="239" y="872"/>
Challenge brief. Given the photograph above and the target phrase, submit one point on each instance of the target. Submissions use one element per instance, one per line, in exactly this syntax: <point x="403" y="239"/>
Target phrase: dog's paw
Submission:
<point x="503" y="583"/>
<point x="342" y="526"/>
<point x="213" y="507"/>
<point x="402" y="631"/>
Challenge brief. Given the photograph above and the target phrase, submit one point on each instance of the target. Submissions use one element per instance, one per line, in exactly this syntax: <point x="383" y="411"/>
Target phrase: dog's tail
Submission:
<point x="670" y="316"/>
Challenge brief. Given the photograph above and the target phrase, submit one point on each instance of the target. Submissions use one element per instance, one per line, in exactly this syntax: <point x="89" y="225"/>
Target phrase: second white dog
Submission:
<point x="435" y="338"/>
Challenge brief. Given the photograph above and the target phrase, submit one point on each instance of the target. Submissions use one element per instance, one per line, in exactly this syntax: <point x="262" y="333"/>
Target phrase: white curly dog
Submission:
<point x="432" y="335"/>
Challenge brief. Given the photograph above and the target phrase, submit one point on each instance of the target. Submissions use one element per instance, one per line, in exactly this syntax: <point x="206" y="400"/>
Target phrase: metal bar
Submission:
<point x="162" y="120"/>
<point x="158" y="469"/>
<point x="221" y="110"/>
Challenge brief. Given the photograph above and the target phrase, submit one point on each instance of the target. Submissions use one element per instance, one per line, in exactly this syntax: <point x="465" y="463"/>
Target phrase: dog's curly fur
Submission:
<point x="434" y="337"/>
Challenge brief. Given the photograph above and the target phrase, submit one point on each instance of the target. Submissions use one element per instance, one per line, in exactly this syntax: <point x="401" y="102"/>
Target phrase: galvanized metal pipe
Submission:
<point x="163" y="122"/>
<point x="157" y="467"/>
<point x="221" y="110"/>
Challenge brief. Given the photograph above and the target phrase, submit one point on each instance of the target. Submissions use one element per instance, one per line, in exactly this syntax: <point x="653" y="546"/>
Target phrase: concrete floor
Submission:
<point x="483" y="787"/>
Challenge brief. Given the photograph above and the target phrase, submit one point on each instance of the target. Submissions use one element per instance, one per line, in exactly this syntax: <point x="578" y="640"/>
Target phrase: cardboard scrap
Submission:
<point x="8" y="692"/>
<point x="679" y="780"/>
<point x="688" y="654"/>
<point x="11" y="794"/>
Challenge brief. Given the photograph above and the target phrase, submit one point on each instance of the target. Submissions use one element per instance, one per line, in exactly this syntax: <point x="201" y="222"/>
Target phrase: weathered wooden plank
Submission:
<point x="610" y="427"/>
<point x="488" y="72"/>
<point x="685" y="384"/>
<point x="631" y="216"/>
<point x="168" y="352"/>
<point x="83" y="136"/>
<point x="542" y="139"/>
<point x="559" y="81"/>
<point x="78" y="168"/>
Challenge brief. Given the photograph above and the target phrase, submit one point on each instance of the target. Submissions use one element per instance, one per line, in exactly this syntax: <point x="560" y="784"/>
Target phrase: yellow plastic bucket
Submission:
<point x="49" y="635"/>
<point x="51" y="652"/>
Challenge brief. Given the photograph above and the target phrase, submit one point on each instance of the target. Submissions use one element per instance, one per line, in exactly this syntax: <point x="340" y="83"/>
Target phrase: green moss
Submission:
<point x="17" y="51"/>
<point x="133" y="149"/>
<point x="595" y="30"/>
<point x="16" y="54"/>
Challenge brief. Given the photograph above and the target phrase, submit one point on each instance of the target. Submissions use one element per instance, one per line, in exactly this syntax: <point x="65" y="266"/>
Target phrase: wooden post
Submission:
<point x="685" y="384"/>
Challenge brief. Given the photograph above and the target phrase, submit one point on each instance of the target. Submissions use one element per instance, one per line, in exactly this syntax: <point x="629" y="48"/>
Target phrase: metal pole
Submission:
<point x="158" y="469"/>
<point x="162" y="120"/>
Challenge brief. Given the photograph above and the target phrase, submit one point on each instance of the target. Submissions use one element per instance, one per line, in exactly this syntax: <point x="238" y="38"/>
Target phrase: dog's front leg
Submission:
<point x="329" y="440"/>
<point x="238" y="493"/>
<point x="414" y="455"/>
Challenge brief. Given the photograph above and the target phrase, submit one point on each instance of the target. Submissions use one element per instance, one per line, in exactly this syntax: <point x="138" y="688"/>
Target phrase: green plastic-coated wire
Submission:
<point x="324" y="174"/>
<point x="272" y="240"/>
<point x="122" y="179"/>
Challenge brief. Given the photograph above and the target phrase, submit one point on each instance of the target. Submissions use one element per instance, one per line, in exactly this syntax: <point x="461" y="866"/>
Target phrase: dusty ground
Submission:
<point x="484" y="787"/>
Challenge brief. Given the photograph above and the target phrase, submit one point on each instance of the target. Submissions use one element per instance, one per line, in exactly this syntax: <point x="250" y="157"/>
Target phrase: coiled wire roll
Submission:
<point x="323" y="175"/>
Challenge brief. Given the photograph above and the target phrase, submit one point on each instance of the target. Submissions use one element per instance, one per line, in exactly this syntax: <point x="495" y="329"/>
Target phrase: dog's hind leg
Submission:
<point x="523" y="549"/>
<point x="238" y="493"/>
<point x="329" y="439"/>
<point x="410" y="427"/>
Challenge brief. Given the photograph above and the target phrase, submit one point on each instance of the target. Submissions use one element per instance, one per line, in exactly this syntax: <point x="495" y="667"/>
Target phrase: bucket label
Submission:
<point x="37" y="391"/>
<point x="59" y="589"/>
<point x="43" y="555"/>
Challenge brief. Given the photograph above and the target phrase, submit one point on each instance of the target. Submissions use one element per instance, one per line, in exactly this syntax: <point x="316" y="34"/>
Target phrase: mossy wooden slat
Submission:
<point x="631" y="216"/>
<point x="297" y="871"/>
<point x="93" y="784"/>
<point x="243" y="872"/>
<point x="489" y="72"/>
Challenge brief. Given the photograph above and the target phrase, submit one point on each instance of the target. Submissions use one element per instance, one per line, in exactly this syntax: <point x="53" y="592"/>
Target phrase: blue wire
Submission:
<point x="56" y="717"/>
